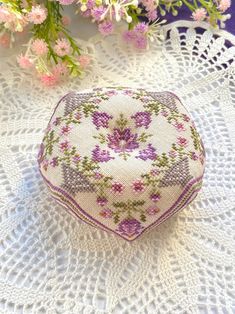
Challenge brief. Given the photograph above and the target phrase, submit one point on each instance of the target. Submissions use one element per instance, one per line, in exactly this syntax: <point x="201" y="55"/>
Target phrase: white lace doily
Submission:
<point x="52" y="263"/>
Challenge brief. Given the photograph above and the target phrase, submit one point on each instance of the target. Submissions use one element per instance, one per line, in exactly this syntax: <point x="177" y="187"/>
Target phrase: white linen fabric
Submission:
<point x="52" y="263"/>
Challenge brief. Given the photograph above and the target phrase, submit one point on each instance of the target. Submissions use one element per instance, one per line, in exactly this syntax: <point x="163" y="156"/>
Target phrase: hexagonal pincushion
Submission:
<point x="122" y="159"/>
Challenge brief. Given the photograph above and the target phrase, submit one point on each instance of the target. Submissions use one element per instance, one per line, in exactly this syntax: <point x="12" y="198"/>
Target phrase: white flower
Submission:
<point x="119" y="7"/>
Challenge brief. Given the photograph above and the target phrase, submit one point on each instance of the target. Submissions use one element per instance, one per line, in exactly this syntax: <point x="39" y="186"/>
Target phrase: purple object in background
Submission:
<point x="184" y="14"/>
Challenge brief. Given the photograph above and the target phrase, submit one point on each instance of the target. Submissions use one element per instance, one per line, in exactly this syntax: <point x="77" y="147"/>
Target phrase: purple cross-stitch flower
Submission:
<point x="129" y="227"/>
<point x="54" y="162"/>
<point x="101" y="155"/>
<point x="102" y="201"/>
<point x="148" y="153"/>
<point x="155" y="197"/>
<point x="142" y="118"/>
<point x="122" y="140"/>
<point x="101" y="119"/>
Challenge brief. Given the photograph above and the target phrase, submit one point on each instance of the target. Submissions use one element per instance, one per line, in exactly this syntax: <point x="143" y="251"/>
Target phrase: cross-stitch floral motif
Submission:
<point x="131" y="205"/>
<point x="101" y="119"/>
<point x="122" y="140"/>
<point x="129" y="227"/>
<point x="142" y="119"/>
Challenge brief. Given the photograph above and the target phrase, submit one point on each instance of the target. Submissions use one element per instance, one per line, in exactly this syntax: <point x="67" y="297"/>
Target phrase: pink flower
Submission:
<point x="149" y="4"/>
<point x="141" y="28"/>
<point x="5" y="40"/>
<point x="138" y="186"/>
<point x="97" y="12"/>
<point x="65" y="145"/>
<point x="106" y="28"/>
<point x="60" y="69"/>
<point x="117" y="188"/>
<point x="224" y="5"/>
<point x="62" y="47"/>
<point x="66" y="2"/>
<point x="199" y="14"/>
<point x="16" y="23"/>
<point x="179" y="126"/>
<point x="106" y="213"/>
<point x="128" y="36"/>
<point x="152" y="15"/>
<point x="86" y="13"/>
<point x="5" y="15"/>
<point x="140" y="41"/>
<point x="155" y="197"/>
<point x="65" y="130"/>
<point x="37" y="15"/>
<point x="66" y="20"/>
<point x="39" y="46"/>
<point x="24" y="62"/>
<point x="183" y="142"/>
<point x="152" y="210"/>
<point x="49" y="79"/>
<point x="84" y="61"/>
<point x="102" y="201"/>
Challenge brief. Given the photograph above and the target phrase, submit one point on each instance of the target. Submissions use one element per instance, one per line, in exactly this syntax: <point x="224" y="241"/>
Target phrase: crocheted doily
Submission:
<point x="52" y="263"/>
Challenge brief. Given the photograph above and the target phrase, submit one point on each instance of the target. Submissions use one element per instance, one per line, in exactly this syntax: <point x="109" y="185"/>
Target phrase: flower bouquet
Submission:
<point x="54" y="54"/>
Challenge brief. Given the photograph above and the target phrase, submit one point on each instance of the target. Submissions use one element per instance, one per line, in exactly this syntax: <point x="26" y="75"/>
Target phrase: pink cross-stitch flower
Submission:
<point x="179" y="126"/>
<point x="152" y="210"/>
<point x="183" y="142"/>
<point x="138" y="186"/>
<point x="106" y="213"/>
<point x="117" y="188"/>
<point x="65" y="145"/>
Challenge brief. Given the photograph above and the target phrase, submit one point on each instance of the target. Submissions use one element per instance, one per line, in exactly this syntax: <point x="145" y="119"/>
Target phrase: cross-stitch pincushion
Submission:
<point x="122" y="159"/>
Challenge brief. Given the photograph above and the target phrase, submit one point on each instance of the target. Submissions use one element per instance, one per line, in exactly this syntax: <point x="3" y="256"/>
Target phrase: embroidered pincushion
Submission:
<point x="122" y="159"/>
